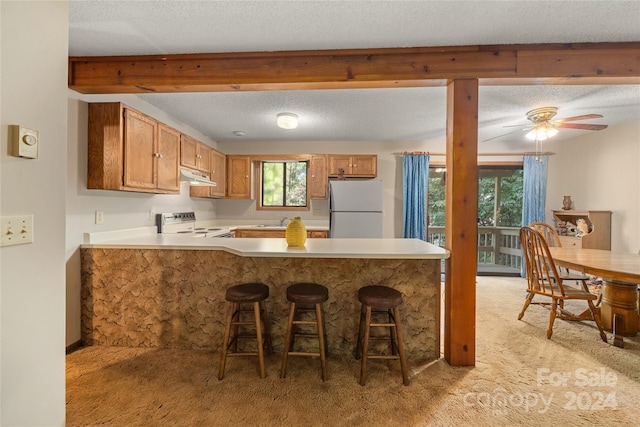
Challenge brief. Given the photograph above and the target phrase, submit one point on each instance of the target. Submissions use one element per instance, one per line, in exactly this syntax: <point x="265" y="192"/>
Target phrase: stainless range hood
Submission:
<point x="196" y="178"/>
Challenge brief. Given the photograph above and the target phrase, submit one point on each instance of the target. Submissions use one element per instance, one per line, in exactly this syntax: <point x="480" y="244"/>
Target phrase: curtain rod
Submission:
<point x="503" y="153"/>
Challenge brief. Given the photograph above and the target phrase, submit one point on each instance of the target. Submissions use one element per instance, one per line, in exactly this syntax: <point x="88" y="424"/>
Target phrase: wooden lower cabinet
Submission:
<point x="279" y="233"/>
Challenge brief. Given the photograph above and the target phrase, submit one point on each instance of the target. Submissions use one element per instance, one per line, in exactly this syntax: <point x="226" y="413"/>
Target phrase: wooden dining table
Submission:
<point x="620" y="273"/>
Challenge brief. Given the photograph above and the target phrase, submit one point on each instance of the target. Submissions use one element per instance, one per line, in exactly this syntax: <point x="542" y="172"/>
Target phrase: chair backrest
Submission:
<point x="542" y="273"/>
<point x="549" y="233"/>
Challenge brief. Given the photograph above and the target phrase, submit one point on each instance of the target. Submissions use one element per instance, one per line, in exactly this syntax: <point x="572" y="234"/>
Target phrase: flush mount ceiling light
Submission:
<point x="287" y="121"/>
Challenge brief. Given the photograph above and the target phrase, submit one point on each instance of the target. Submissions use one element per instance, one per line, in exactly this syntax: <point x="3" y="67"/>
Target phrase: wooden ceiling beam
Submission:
<point x="597" y="63"/>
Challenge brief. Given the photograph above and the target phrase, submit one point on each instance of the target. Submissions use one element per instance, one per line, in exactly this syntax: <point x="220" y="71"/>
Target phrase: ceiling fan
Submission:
<point x="543" y="127"/>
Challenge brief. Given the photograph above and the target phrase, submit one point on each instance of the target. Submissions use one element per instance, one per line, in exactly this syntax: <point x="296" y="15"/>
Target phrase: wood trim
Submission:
<point x="276" y="157"/>
<point x="571" y="63"/>
<point x="74" y="347"/>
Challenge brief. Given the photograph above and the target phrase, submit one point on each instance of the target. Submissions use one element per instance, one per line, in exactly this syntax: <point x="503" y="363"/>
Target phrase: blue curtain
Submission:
<point x="415" y="185"/>
<point x="534" y="192"/>
<point x="535" y="188"/>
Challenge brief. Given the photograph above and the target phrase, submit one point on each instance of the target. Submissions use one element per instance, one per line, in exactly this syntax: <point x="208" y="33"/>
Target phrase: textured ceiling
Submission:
<point x="405" y="114"/>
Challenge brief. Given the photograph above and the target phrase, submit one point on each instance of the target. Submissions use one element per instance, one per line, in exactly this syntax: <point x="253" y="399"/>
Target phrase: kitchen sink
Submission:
<point x="271" y="226"/>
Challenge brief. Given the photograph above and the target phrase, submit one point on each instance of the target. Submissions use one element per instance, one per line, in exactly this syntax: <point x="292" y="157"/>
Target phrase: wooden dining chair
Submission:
<point x="551" y="237"/>
<point x="543" y="279"/>
<point x="549" y="233"/>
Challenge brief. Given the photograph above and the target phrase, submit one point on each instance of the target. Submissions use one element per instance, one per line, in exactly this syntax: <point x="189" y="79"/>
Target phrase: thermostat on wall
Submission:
<point x="25" y="142"/>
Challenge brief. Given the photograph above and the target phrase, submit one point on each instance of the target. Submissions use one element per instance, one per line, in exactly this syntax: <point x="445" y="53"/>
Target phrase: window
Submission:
<point x="284" y="184"/>
<point x="499" y="196"/>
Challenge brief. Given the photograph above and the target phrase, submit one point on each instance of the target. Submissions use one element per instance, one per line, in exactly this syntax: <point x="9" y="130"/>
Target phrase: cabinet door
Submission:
<point x="238" y="177"/>
<point x="337" y="162"/>
<point x="318" y="177"/>
<point x="188" y="152"/>
<point x="168" y="159"/>
<point x="139" y="150"/>
<point x="366" y="165"/>
<point x="218" y="175"/>
<point x="204" y="158"/>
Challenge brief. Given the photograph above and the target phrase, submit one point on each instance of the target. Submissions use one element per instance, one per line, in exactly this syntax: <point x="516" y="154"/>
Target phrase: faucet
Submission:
<point x="282" y="220"/>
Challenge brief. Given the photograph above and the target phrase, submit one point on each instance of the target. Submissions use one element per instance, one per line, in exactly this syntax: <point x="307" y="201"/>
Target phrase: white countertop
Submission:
<point x="276" y="247"/>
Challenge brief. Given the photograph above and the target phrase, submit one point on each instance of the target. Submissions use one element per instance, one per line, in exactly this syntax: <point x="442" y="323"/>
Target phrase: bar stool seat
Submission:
<point x="384" y="300"/>
<point x="300" y="295"/>
<point x="237" y="296"/>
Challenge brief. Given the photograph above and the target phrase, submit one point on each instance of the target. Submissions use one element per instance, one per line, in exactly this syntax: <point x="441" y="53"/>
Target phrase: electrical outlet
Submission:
<point x="317" y="212"/>
<point x="16" y="230"/>
<point x="99" y="217"/>
<point x="250" y="213"/>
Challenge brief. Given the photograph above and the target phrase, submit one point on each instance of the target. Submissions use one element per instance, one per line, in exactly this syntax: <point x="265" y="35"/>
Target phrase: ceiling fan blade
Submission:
<point x="500" y="136"/>
<point x="575" y="118"/>
<point x="584" y="126"/>
<point x="530" y="126"/>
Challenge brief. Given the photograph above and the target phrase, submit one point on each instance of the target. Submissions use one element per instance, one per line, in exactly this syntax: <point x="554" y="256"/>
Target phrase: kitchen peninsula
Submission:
<point x="168" y="291"/>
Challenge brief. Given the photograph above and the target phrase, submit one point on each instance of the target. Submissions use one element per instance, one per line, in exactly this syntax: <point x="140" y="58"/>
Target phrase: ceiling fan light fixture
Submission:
<point x="542" y="132"/>
<point x="287" y="120"/>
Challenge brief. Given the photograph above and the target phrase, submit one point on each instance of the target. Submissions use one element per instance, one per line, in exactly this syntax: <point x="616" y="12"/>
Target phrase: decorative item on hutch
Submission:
<point x="566" y="203"/>
<point x="296" y="233"/>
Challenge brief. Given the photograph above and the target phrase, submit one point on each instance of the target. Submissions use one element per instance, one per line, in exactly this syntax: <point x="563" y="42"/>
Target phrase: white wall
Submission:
<point x="121" y="209"/>
<point x="32" y="283"/>
<point x="599" y="170"/>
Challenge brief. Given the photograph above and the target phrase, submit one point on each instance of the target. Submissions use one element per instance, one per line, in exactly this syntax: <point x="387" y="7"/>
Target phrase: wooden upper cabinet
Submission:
<point x="139" y="150"/>
<point x="354" y="165"/>
<point x="129" y="152"/>
<point x="318" y="179"/>
<point x="168" y="170"/>
<point x="239" y="176"/>
<point x="194" y="154"/>
<point x="217" y="174"/>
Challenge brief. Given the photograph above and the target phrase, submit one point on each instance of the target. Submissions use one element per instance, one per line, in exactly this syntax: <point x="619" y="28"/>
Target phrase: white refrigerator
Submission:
<point x="355" y="208"/>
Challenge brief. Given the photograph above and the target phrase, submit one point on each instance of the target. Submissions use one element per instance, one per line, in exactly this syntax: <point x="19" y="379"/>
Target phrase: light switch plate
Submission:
<point x="16" y="230"/>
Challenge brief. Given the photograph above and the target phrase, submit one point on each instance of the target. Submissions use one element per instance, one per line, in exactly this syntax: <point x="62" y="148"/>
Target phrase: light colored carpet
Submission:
<point x="520" y="378"/>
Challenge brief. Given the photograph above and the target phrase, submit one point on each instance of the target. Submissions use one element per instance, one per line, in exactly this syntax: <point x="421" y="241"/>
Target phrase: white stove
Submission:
<point x="185" y="223"/>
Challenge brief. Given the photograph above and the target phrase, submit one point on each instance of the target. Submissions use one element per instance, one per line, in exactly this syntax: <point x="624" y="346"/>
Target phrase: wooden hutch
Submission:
<point x="599" y="222"/>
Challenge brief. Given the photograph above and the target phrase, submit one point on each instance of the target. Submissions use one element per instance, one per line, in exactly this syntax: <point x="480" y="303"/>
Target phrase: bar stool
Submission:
<point x="306" y="294"/>
<point x="384" y="300"/>
<point x="239" y="296"/>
